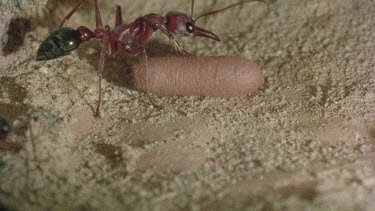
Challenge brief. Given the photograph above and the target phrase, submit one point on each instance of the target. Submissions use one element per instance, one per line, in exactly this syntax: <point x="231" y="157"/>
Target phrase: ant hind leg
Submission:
<point x="71" y="13"/>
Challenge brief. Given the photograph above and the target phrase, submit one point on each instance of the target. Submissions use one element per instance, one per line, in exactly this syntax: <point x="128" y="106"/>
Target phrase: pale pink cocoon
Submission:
<point x="219" y="76"/>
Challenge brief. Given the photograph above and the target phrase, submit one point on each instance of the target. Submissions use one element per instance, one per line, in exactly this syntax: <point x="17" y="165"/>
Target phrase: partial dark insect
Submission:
<point x="4" y="129"/>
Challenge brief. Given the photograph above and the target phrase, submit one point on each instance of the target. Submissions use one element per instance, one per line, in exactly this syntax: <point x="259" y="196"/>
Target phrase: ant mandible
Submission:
<point x="65" y="40"/>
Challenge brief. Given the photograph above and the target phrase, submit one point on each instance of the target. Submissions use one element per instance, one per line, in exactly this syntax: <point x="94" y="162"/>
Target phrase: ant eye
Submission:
<point x="190" y="27"/>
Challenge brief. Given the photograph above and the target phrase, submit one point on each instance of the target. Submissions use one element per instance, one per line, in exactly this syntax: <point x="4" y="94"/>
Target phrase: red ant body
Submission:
<point x="66" y="40"/>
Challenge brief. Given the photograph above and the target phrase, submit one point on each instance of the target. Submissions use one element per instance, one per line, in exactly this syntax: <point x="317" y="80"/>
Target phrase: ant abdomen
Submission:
<point x="4" y="129"/>
<point x="60" y="43"/>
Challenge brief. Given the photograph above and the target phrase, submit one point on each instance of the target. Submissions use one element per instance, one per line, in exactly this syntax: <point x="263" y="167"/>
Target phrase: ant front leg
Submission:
<point x="159" y="26"/>
<point x="180" y="49"/>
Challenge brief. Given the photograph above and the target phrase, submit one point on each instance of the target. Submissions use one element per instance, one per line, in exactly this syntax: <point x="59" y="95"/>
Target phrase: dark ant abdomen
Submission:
<point x="60" y="43"/>
<point x="4" y="129"/>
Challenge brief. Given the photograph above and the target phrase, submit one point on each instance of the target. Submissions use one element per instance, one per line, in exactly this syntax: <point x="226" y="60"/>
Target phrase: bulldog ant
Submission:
<point x="65" y="40"/>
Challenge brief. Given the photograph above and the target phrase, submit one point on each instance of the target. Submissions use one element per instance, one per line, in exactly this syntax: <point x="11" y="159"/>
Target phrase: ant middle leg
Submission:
<point x="146" y="79"/>
<point x="135" y="52"/>
<point x="112" y="50"/>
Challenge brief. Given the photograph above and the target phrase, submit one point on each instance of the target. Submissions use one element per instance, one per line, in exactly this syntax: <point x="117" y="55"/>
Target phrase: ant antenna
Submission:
<point x="217" y="11"/>
<point x="192" y="8"/>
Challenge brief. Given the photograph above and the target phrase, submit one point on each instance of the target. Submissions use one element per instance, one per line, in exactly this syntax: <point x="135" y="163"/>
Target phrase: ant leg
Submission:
<point x="170" y="36"/>
<point x="71" y="13"/>
<point x="192" y="8"/>
<point x="135" y="52"/>
<point x="32" y="141"/>
<point x="100" y="71"/>
<point x="118" y="16"/>
<point x="143" y="38"/>
<point x="97" y="16"/>
<point x="180" y="49"/>
<point x="146" y="78"/>
<point x="112" y="50"/>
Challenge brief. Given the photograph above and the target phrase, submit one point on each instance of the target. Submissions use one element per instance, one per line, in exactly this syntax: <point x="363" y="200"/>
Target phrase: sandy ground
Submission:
<point x="304" y="140"/>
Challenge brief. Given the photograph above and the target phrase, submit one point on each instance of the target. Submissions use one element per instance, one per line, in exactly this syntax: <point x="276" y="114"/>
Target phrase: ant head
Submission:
<point x="181" y="24"/>
<point x="60" y="43"/>
<point x="184" y="25"/>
